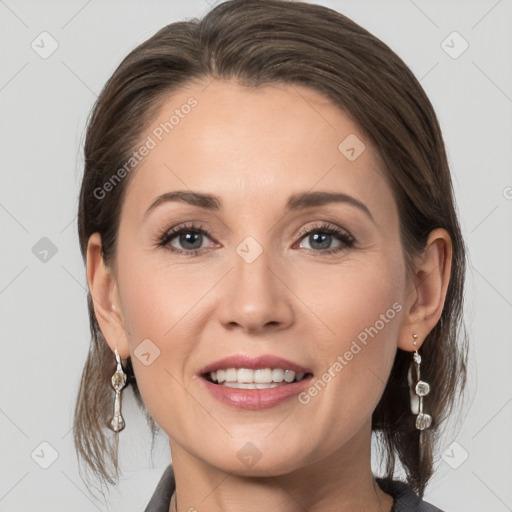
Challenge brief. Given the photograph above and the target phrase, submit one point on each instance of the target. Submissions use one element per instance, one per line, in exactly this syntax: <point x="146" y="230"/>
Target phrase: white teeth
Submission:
<point x="262" y="376"/>
<point x="254" y="379"/>
<point x="244" y="375"/>
<point x="244" y="385"/>
<point x="230" y="374"/>
<point x="289" y="375"/>
<point x="278" y="375"/>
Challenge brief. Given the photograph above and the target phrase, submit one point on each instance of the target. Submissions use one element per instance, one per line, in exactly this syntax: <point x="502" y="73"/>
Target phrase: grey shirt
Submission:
<point x="404" y="499"/>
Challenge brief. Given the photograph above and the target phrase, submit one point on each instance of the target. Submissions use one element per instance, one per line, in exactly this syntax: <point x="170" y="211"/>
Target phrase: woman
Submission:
<point x="275" y="264"/>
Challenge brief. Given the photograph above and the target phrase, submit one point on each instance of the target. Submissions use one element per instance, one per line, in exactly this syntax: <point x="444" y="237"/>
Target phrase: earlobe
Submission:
<point x="427" y="291"/>
<point x="105" y="298"/>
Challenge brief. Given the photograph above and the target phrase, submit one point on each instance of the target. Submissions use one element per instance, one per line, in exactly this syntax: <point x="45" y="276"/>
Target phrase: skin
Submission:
<point x="253" y="148"/>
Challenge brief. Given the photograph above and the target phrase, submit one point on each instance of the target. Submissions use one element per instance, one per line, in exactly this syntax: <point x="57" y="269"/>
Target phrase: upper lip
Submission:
<point x="254" y="363"/>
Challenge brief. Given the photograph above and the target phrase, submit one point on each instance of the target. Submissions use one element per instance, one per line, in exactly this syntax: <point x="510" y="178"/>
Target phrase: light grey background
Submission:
<point x="44" y="103"/>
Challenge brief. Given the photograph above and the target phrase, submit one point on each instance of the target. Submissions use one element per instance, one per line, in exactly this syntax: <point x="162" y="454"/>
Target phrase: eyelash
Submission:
<point x="165" y="237"/>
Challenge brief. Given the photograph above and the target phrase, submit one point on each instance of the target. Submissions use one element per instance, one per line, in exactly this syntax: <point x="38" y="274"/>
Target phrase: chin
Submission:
<point x="249" y="461"/>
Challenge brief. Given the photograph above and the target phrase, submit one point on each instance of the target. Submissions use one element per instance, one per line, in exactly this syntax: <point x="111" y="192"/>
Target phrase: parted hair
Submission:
<point x="259" y="42"/>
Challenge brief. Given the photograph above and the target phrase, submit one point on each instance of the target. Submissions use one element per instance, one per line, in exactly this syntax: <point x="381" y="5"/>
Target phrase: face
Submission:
<point x="311" y="283"/>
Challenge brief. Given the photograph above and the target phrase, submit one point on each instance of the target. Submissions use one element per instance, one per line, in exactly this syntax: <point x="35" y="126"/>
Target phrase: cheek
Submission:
<point x="157" y="295"/>
<point x="154" y="301"/>
<point x="166" y="309"/>
<point x="361" y="305"/>
<point x="359" y="301"/>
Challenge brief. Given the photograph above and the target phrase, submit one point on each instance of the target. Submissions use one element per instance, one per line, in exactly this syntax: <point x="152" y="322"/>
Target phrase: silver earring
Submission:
<point x="421" y="389"/>
<point x="118" y="382"/>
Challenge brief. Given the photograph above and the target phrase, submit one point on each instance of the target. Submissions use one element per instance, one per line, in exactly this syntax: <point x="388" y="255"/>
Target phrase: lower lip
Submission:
<point x="256" y="398"/>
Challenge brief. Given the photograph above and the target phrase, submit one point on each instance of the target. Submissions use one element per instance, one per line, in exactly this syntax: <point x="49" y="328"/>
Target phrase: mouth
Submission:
<point x="254" y="382"/>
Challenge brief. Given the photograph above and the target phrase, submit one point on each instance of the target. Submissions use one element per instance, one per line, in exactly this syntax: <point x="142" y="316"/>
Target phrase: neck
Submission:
<point x="341" y="482"/>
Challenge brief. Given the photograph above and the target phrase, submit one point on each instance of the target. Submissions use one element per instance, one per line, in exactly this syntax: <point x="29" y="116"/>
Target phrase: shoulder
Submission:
<point x="405" y="499"/>
<point x="161" y="498"/>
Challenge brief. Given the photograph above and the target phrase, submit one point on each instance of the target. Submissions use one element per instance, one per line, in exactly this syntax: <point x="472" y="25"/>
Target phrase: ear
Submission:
<point x="426" y="290"/>
<point x="105" y="297"/>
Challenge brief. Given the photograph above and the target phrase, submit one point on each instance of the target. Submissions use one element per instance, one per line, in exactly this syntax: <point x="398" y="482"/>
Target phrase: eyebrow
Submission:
<point x="295" y="202"/>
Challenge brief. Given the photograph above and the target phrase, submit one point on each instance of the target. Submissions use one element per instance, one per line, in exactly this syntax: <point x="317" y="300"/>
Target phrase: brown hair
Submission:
<point x="257" y="42"/>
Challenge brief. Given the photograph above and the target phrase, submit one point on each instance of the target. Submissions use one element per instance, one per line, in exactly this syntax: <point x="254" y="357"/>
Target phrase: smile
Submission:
<point x="260" y="382"/>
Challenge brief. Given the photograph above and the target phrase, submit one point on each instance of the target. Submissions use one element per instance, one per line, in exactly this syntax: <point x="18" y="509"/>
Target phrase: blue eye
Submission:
<point x="188" y="234"/>
<point x="191" y="238"/>
<point x="323" y="235"/>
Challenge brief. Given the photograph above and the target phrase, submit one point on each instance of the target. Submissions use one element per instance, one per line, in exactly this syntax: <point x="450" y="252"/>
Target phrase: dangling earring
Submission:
<point x="421" y="389"/>
<point x="118" y="382"/>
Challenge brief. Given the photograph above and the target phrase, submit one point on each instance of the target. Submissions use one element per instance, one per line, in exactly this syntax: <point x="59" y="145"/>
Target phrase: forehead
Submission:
<point x="247" y="145"/>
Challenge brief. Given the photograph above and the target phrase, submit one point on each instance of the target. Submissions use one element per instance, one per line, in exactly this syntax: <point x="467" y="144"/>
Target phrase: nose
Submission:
<point x="255" y="297"/>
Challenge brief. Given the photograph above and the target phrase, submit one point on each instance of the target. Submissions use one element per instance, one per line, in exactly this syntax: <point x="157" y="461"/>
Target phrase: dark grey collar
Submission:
<point x="161" y="498"/>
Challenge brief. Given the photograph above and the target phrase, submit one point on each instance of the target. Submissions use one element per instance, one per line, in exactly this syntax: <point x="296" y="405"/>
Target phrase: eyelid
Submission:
<point x="325" y="227"/>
